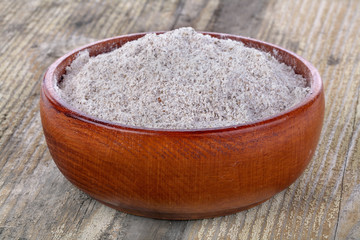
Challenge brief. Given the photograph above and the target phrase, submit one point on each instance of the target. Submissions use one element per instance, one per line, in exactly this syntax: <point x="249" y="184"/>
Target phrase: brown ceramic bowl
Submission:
<point x="182" y="174"/>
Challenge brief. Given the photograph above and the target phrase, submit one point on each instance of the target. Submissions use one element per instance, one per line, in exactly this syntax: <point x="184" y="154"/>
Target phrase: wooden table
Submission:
<point x="37" y="202"/>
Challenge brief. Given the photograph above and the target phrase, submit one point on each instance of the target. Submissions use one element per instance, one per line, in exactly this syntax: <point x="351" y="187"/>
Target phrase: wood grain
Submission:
<point x="36" y="202"/>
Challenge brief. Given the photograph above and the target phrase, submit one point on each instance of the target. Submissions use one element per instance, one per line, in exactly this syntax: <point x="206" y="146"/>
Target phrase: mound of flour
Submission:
<point x="181" y="80"/>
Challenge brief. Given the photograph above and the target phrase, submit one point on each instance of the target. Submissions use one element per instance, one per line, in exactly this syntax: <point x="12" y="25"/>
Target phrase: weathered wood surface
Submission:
<point x="37" y="202"/>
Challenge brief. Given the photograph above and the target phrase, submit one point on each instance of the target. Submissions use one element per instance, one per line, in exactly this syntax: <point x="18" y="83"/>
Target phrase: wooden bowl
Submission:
<point x="182" y="174"/>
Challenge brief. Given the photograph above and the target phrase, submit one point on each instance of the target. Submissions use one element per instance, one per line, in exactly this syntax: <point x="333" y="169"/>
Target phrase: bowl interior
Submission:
<point x="300" y="66"/>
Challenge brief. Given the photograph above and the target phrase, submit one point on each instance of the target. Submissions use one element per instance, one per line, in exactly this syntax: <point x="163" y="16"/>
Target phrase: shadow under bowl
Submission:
<point x="182" y="174"/>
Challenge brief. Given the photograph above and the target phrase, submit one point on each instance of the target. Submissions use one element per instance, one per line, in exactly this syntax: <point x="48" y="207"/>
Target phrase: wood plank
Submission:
<point x="37" y="202"/>
<point x="349" y="216"/>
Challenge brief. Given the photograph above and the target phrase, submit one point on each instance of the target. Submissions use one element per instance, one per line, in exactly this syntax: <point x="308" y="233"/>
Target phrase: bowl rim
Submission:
<point x="48" y="91"/>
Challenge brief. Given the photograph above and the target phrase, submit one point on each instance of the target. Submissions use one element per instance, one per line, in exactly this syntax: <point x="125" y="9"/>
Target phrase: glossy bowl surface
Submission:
<point x="182" y="174"/>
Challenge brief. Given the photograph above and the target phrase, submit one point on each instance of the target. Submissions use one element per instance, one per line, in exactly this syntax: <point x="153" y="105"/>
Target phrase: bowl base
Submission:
<point x="183" y="215"/>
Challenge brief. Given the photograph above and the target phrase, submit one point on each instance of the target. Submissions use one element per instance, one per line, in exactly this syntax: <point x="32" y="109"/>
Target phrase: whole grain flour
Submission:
<point x="181" y="80"/>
